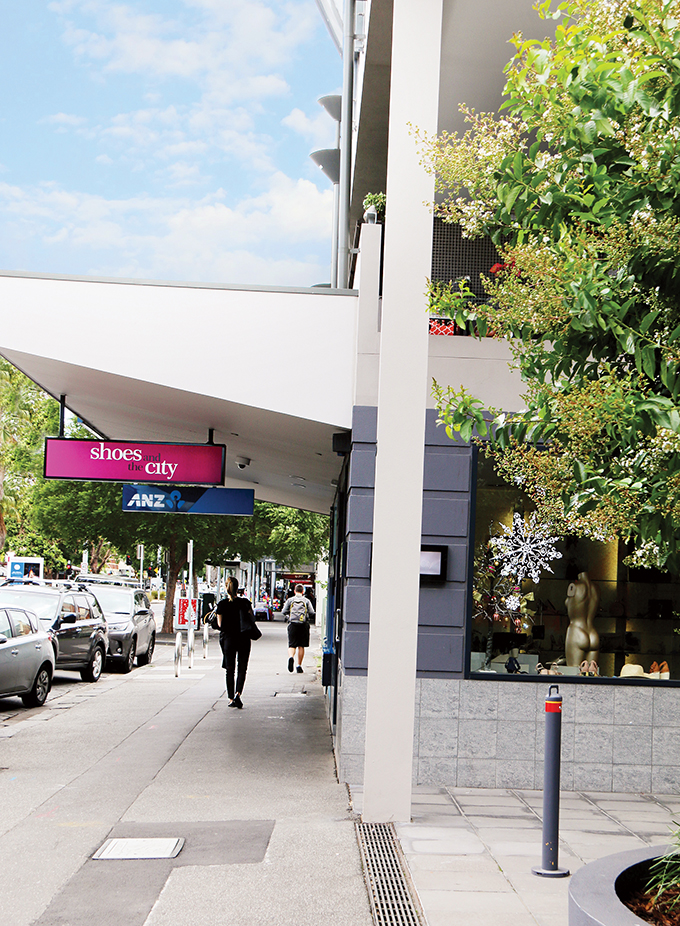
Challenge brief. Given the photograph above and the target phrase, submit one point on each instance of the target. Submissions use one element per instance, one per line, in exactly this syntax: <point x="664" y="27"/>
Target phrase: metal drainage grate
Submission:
<point x="392" y="901"/>
<point x="156" y="847"/>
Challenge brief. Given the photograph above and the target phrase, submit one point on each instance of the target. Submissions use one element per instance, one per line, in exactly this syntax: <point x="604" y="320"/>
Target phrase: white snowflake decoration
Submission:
<point x="513" y="602"/>
<point x="525" y="550"/>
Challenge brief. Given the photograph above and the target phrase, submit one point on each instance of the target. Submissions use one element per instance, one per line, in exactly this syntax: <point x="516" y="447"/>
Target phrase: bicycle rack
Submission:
<point x="178" y="654"/>
<point x="190" y="643"/>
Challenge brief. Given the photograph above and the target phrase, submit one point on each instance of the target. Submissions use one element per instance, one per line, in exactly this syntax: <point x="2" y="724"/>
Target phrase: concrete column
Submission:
<point x="368" y="311"/>
<point x="402" y="396"/>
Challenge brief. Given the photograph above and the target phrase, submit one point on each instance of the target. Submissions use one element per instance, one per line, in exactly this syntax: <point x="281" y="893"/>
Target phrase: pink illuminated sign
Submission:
<point x="123" y="461"/>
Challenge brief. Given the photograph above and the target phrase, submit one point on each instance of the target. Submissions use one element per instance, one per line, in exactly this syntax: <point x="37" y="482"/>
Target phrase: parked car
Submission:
<point x="26" y="657"/>
<point x="73" y="618"/>
<point x="131" y="625"/>
<point x="263" y="611"/>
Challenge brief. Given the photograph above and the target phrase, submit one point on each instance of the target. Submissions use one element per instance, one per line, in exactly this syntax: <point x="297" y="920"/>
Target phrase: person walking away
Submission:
<point x="298" y="610"/>
<point x="237" y="626"/>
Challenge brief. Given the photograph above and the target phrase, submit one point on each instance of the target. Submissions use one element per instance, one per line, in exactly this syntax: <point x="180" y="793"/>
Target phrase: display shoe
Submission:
<point x="664" y="671"/>
<point x="541" y="669"/>
<point x="593" y="670"/>
<point x="654" y="667"/>
<point x="583" y="668"/>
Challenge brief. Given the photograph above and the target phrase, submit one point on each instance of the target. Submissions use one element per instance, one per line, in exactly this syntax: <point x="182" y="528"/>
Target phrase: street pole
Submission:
<point x="190" y="609"/>
<point x="140" y="557"/>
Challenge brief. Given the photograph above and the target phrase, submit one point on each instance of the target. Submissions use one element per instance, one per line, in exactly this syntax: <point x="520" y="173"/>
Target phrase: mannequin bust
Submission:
<point x="582" y="640"/>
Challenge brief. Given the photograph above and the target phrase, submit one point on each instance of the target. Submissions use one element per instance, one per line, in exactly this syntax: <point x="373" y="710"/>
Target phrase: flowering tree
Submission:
<point x="578" y="184"/>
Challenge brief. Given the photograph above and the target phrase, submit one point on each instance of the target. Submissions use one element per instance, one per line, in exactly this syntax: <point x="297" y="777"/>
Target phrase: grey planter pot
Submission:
<point x="593" y="900"/>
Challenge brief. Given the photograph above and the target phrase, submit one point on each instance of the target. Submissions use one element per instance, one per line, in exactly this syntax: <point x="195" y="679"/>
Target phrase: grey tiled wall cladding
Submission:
<point x="446" y="516"/>
<point x="483" y="733"/>
<point x="486" y="734"/>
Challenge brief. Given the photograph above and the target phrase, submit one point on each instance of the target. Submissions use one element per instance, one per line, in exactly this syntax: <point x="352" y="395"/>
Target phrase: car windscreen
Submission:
<point x="114" y="600"/>
<point x="41" y="603"/>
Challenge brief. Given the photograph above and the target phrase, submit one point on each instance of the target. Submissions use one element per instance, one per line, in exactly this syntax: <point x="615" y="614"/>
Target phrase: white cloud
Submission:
<point x="103" y="159"/>
<point x="319" y="130"/>
<point x="227" y="42"/>
<point x="65" y="120"/>
<point x="257" y="240"/>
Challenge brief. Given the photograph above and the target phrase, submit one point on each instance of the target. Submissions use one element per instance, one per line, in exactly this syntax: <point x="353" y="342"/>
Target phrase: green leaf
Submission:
<point x="466" y="429"/>
<point x="649" y="361"/>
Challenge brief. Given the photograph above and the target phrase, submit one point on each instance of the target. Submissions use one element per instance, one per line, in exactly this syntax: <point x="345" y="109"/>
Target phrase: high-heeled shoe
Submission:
<point x="583" y="668"/>
<point x="664" y="671"/>
<point x="593" y="670"/>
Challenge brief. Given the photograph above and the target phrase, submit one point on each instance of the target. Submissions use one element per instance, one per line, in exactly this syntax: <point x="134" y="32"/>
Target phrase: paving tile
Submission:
<point x="477" y="864"/>
<point x="438" y="819"/>
<point x="524" y="823"/>
<point x="422" y="795"/>
<point x="465" y="907"/>
<point x="460" y="881"/>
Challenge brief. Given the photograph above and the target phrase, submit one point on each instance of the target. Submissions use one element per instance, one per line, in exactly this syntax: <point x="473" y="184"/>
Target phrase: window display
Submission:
<point x="570" y="606"/>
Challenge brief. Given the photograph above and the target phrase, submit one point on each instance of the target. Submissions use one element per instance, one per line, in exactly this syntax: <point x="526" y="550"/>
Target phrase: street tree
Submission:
<point x="89" y="515"/>
<point x="27" y="414"/>
<point x="577" y="182"/>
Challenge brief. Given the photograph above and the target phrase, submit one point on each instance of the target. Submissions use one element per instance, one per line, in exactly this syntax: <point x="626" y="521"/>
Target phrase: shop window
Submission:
<point x="563" y="605"/>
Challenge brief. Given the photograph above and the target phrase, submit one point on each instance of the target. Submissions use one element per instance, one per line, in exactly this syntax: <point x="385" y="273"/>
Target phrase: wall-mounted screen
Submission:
<point x="433" y="559"/>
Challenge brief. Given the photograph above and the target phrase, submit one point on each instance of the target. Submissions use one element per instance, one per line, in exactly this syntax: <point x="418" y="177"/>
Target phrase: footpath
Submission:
<point x="269" y="837"/>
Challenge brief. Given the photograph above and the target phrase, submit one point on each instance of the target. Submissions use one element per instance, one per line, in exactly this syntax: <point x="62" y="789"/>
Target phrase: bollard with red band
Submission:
<point x="551" y="787"/>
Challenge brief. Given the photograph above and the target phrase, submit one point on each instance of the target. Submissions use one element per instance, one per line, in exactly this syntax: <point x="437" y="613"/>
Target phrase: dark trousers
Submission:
<point x="236" y="647"/>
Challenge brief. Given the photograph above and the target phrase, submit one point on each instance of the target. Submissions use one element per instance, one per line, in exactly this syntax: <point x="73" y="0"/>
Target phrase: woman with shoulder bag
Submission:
<point x="236" y="623"/>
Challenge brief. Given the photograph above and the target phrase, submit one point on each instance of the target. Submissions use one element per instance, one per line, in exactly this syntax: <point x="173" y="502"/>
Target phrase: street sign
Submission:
<point x="184" y="606"/>
<point x="118" y="461"/>
<point x="188" y="500"/>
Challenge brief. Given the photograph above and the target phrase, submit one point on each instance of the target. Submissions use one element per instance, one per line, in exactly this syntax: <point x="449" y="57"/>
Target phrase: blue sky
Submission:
<point x="166" y="139"/>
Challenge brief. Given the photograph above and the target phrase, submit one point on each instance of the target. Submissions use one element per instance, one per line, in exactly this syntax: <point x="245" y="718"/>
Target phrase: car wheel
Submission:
<point x="94" y="667"/>
<point x="145" y="658"/>
<point x="129" y="661"/>
<point x="41" y="688"/>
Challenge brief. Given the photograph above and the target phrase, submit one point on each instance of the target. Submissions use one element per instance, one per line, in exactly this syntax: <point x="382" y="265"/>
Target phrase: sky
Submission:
<point x="166" y="139"/>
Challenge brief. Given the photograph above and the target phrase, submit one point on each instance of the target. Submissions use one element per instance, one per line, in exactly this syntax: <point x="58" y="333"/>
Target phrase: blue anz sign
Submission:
<point x="188" y="500"/>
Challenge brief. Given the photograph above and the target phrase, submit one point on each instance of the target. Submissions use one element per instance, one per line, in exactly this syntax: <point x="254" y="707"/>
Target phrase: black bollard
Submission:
<point x="551" y="787"/>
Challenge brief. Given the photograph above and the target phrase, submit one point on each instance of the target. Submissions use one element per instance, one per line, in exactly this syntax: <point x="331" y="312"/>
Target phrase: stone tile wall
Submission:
<point x="486" y="734"/>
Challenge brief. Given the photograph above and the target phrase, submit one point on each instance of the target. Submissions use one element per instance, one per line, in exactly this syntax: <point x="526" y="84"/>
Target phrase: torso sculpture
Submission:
<point x="582" y="640"/>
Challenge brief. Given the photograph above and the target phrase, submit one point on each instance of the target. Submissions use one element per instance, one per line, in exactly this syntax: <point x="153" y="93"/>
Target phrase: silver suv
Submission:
<point x="26" y="657"/>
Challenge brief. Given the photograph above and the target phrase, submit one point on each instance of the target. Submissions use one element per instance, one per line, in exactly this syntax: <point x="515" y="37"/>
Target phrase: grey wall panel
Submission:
<point x="446" y="516"/>
<point x="357" y="603"/>
<point x="446" y="470"/>
<point x="358" y="559"/>
<point x="440" y="652"/>
<point x="360" y="513"/>
<point x="442" y="607"/>
<point x="362" y="468"/>
<point x="457" y="566"/>
<point x="355" y="649"/>
<point x="364" y="424"/>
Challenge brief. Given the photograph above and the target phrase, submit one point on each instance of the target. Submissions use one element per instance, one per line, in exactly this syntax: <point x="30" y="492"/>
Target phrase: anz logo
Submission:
<point x="154" y="500"/>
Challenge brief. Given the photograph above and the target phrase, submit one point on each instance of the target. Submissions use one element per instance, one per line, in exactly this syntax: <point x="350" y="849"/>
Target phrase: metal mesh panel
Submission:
<point x="392" y="903"/>
<point x="454" y="257"/>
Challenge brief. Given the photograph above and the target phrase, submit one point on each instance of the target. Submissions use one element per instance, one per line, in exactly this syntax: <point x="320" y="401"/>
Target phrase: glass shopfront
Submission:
<point x="563" y="606"/>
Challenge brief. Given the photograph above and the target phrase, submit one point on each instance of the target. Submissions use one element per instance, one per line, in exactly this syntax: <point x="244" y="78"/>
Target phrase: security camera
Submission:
<point x="242" y="462"/>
